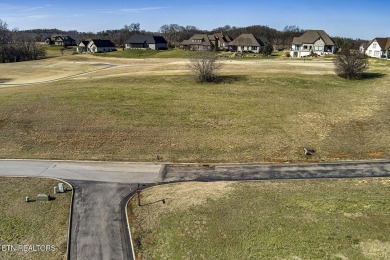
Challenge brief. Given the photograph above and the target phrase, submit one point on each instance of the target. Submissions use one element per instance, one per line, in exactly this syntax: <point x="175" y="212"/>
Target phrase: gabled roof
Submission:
<point x="185" y="42"/>
<point x="223" y="37"/>
<point x="149" y="39"/>
<point x="102" y="43"/>
<point x="384" y="43"/>
<point x="85" y="43"/>
<point x="247" y="39"/>
<point x="311" y="36"/>
<point x="206" y="40"/>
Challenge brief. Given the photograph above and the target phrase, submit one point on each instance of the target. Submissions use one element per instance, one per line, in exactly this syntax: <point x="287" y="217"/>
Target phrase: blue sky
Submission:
<point x="347" y="18"/>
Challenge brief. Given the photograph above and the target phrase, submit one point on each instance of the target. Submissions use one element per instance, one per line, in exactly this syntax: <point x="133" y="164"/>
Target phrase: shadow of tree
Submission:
<point x="372" y="75"/>
<point x="4" y="80"/>
<point x="230" y="79"/>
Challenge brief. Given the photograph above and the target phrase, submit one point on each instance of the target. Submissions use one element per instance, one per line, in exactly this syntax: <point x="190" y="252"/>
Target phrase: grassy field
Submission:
<point x="33" y="223"/>
<point x="306" y="219"/>
<point x="55" y="51"/>
<point x="140" y="53"/>
<point x="177" y="53"/>
<point x="137" y="109"/>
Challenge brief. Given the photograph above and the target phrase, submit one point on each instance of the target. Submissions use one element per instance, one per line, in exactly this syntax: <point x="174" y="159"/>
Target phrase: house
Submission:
<point x="246" y="43"/>
<point x="223" y="40"/>
<point x="97" y="45"/>
<point x="363" y="47"/>
<point x="60" y="40"/>
<point x="200" y="42"/>
<point x="379" y="48"/>
<point x="153" y="42"/>
<point x="312" y="41"/>
<point x="82" y="46"/>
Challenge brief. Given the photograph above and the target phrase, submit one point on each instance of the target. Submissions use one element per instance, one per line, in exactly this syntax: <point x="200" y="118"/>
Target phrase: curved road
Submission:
<point x="101" y="190"/>
<point x="99" y="228"/>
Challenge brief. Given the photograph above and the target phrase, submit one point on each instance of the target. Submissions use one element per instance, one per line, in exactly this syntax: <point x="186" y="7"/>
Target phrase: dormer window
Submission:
<point x="196" y="40"/>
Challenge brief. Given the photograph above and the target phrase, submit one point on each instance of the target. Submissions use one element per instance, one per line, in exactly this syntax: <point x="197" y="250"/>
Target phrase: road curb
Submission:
<point x="131" y="196"/>
<point x="70" y="213"/>
<point x="128" y="224"/>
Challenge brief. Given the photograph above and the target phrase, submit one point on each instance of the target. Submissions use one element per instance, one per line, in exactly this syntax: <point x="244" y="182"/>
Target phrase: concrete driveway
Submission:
<point x="101" y="190"/>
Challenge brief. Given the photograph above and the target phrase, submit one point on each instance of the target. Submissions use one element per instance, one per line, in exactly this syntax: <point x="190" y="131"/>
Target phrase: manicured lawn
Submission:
<point x="139" y="53"/>
<point x="260" y="111"/>
<point x="33" y="223"/>
<point x="305" y="219"/>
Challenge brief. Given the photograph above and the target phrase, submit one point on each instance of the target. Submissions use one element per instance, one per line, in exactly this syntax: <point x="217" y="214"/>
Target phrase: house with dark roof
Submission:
<point x="379" y="48"/>
<point x="246" y="43"/>
<point x="98" y="45"/>
<point x="200" y="42"/>
<point x="82" y="46"/>
<point x="60" y="40"/>
<point x="312" y="41"/>
<point x="153" y="42"/>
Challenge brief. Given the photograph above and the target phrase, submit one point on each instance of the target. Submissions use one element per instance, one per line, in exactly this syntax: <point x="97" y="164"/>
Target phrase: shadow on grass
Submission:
<point x="230" y="79"/>
<point x="4" y="80"/>
<point x="155" y="202"/>
<point x="371" y="75"/>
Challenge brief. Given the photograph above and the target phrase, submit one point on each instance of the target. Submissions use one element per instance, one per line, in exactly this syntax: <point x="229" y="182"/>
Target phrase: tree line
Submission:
<point x="175" y="34"/>
<point x="16" y="46"/>
<point x="23" y="45"/>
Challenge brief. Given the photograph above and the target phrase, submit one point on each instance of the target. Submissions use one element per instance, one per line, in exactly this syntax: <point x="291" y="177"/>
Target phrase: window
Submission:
<point x="374" y="45"/>
<point x="254" y="48"/>
<point x="305" y="47"/>
<point x="377" y="53"/>
<point x="370" y="52"/>
<point x="318" y="48"/>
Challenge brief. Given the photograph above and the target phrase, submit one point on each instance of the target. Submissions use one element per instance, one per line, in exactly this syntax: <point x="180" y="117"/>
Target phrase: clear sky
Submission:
<point x="346" y="18"/>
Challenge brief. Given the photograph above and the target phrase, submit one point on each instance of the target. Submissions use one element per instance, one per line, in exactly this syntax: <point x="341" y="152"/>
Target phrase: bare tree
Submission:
<point x="350" y="64"/>
<point x="17" y="46"/>
<point x="204" y="64"/>
<point x="5" y="38"/>
<point x="171" y="33"/>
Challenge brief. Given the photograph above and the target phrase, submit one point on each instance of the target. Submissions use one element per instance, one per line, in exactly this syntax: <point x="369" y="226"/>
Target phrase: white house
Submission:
<point x="379" y="48"/>
<point x="100" y="46"/>
<point x="312" y="41"/>
<point x="82" y="46"/>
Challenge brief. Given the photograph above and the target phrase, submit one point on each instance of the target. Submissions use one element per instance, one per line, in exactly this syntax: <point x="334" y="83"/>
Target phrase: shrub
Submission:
<point x="350" y="64"/>
<point x="268" y="49"/>
<point x="204" y="64"/>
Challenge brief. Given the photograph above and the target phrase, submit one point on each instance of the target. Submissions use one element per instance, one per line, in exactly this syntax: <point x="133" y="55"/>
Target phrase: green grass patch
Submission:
<point x="309" y="219"/>
<point x="33" y="223"/>
<point x="141" y="53"/>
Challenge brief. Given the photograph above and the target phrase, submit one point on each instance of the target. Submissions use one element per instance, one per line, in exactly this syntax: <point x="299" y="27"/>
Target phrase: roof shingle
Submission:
<point x="311" y="36"/>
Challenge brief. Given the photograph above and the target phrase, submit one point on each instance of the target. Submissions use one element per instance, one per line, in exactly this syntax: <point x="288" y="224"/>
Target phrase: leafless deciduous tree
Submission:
<point x="204" y="64"/>
<point x="16" y="46"/>
<point x="350" y="64"/>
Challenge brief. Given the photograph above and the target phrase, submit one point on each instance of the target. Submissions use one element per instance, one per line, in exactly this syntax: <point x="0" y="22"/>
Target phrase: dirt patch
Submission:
<point x="375" y="249"/>
<point x="175" y="196"/>
<point x="186" y="195"/>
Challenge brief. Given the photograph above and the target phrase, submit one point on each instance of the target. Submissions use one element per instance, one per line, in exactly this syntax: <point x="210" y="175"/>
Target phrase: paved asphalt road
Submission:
<point x="175" y="173"/>
<point x="101" y="190"/>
